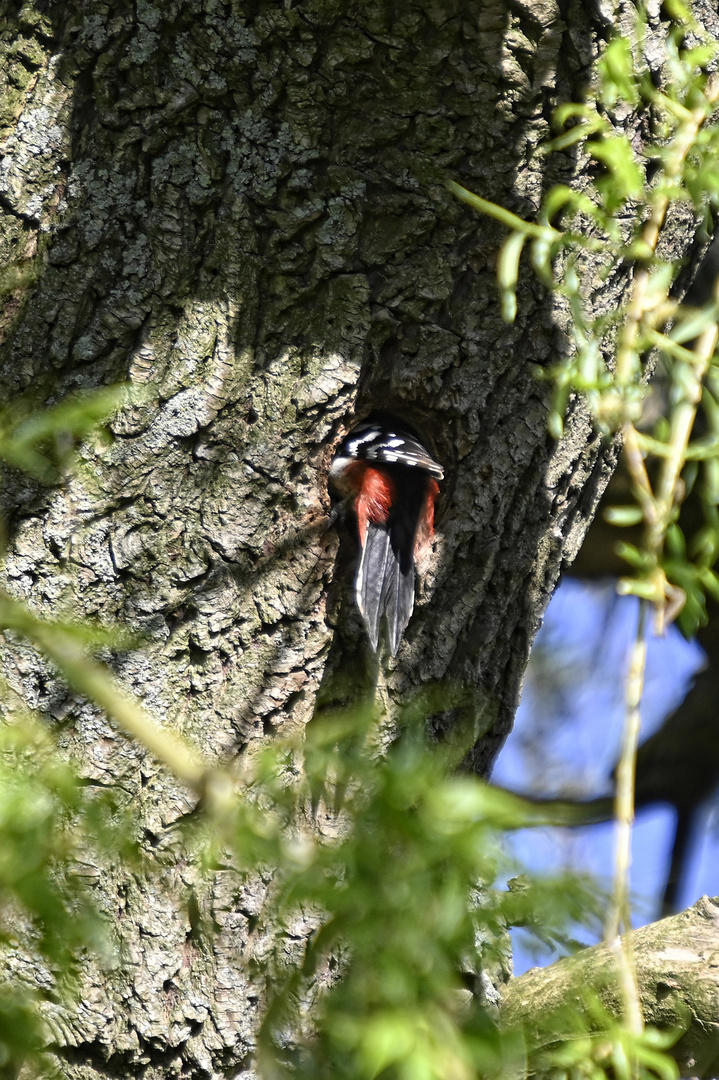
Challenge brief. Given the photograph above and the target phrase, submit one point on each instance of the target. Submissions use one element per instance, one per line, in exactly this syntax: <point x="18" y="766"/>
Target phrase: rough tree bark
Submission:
<point x="241" y="207"/>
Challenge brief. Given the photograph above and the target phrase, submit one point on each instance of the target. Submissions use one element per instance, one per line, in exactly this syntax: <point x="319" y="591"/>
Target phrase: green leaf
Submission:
<point x="35" y="443"/>
<point x="701" y="55"/>
<point x="644" y="589"/>
<point x="705" y="449"/>
<point x="617" y="74"/>
<point x="659" y="284"/>
<point x="555" y="425"/>
<point x="507" y="273"/>
<point x="623" y="516"/>
<point x="691" y="322"/>
<point x="626" y="178"/>
<point x="387" y="1038"/>
<point x="506" y="217"/>
<point x="590" y="124"/>
<point x="562" y="197"/>
<point x="678" y="10"/>
<point x="675" y="542"/>
<point x="711" y="481"/>
<point x="640" y="560"/>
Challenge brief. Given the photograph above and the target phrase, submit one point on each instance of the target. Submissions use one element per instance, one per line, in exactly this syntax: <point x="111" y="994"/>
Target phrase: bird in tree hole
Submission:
<point x="388" y="478"/>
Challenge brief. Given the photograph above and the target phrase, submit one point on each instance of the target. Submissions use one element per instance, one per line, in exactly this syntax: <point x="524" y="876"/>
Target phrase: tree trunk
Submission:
<point x="242" y="209"/>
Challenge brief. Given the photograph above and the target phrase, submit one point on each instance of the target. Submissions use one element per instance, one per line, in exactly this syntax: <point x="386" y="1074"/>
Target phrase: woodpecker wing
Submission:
<point x="389" y="446"/>
<point x="398" y="600"/>
<point x="376" y="562"/>
<point x="384" y="587"/>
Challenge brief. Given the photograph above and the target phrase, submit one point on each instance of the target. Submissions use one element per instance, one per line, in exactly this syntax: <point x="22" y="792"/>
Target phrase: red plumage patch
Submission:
<point x="375" y="494"/>
<point x="425" y="526"/>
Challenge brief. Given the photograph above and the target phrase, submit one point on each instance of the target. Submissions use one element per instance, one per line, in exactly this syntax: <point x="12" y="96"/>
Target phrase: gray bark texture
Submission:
<point x="241" y="208"/>
<point x="677" y="961"/>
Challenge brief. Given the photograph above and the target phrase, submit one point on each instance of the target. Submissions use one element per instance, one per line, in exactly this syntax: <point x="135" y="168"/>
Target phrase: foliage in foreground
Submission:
<point x="403" y="892"/>
<point x="667" y="169"/>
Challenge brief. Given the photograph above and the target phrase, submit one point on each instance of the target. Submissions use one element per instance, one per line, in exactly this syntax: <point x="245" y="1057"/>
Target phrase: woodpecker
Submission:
<point x="382" y="470"/>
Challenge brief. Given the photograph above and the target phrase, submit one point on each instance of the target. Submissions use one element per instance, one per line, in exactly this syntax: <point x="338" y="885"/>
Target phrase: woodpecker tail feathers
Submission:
<point x="384" y="586"/>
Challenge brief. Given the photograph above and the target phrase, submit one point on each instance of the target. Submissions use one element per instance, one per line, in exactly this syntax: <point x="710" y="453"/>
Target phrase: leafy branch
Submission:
<point x="611" y="359"/>
<point x="610" y="368"/>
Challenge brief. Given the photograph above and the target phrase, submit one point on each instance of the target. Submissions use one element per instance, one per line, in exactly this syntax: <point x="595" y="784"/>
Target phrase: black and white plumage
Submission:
<point x="390" y="479"/>
<point x="372" y="442"/>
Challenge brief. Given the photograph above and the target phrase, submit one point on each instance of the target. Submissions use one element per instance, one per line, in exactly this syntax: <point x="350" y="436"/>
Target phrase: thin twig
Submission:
<point x="619" y="910"/>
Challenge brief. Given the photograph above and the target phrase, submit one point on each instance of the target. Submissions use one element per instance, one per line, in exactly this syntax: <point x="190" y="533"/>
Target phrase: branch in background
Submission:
<point x="678" y="986"/>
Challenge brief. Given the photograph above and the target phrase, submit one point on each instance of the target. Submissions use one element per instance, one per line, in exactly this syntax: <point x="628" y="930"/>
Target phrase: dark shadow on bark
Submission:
<point x="313" y="215"/>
